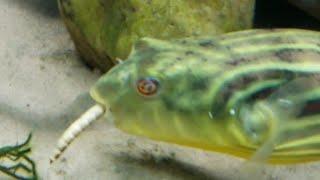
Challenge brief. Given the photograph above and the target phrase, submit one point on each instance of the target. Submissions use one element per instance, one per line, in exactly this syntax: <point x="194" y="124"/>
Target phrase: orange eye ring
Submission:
<point x="147" y="86"/>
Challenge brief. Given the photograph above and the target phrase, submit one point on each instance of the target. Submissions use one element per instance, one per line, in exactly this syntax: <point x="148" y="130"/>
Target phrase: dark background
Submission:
<point x="279" y="13"/>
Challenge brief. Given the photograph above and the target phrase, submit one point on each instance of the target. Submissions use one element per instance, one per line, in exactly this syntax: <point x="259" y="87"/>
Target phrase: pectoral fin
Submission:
<point x="280" y="111"/>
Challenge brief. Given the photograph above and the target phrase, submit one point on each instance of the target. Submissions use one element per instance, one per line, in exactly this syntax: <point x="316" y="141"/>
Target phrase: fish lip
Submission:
<point x="95" y="95"/>
<point x="108" y="114"/>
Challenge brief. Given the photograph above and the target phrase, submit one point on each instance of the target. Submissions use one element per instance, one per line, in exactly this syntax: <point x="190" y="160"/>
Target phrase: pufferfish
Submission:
<point x="251" y="94"/>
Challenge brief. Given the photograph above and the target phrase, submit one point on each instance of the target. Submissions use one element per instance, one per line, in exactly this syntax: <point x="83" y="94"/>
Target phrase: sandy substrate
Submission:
<point x="44" y="87"/>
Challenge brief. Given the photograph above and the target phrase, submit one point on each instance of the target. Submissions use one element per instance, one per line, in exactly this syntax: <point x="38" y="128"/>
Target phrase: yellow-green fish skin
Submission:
<point x="203" y="82"/>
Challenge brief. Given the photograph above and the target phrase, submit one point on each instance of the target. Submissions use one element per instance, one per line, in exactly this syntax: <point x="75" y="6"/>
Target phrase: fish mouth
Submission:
<point x="97" y="97"/>
<point x="101" y="101"/>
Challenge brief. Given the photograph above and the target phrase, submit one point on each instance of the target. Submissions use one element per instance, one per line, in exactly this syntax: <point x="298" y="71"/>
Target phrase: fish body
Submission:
<point x="211" y="91"/>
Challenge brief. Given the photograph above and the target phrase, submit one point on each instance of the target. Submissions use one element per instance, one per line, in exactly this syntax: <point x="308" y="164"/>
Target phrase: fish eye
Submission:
<point x="147" y="86"/>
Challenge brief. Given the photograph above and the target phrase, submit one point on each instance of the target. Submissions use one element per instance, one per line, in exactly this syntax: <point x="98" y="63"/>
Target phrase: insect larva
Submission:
<point x="76" y="128"/>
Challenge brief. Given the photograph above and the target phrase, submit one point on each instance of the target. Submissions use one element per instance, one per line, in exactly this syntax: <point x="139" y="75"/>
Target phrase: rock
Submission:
<point x="104" y="30"/>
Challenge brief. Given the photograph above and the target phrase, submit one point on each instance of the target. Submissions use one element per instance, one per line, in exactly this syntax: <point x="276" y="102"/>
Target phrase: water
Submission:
<point x="43" y="88"/>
